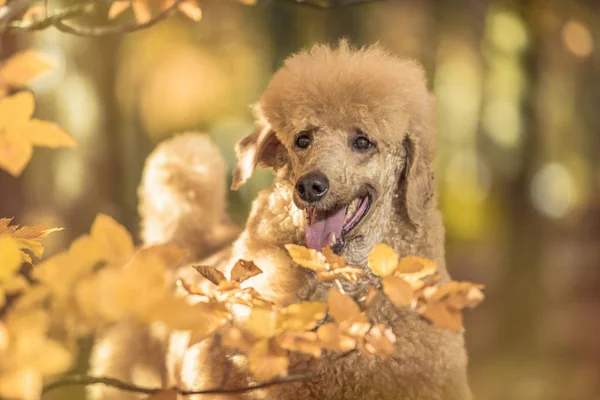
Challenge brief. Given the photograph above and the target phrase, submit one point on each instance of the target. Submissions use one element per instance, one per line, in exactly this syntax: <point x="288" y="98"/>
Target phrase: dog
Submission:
<point x="350" y="136"/>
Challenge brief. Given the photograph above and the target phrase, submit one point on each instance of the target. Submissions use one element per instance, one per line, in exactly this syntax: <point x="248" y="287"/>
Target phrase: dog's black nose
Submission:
<point x="312" y="187"/>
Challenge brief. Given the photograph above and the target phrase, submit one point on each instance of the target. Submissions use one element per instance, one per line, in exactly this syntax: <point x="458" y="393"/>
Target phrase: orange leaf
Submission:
<point x="397" y="290"/>
<point x="45" y="134"/>
<point x="382" y="260"/>
<point x="243" y="270"/>
<point x="210" y="273"/>
<point x="302" y="316"/>
<point x="442" y="316"/>
<point x="14" y="155"/>
<point x="342" y="307"/>
<point x="191" y="10"/>
<point x="117" y="8"/>
<point x="307" y="258"/>
<point x="141" y="11"/>
<point x="23" y="67"/>
<point x="267" y="360"/>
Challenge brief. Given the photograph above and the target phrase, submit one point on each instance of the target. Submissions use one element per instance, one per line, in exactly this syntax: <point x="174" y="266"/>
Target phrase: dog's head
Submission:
<point x="353" y="130"/>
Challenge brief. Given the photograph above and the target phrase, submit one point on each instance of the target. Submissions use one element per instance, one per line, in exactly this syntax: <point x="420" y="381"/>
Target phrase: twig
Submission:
<point x="327" y="4"/>
<point x="95" y="380"/>
<point x="59" y="18"/>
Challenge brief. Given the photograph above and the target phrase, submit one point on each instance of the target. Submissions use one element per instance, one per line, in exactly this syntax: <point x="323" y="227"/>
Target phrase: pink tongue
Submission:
<point x="318" y="234"/>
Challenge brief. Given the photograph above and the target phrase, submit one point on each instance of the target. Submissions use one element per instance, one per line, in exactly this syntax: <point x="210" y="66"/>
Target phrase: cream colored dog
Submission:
<point x="350" y="137"/>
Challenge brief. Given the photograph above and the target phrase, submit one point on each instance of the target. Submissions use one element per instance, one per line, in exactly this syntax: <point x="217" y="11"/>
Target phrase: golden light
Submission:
<point x="577" y="39"/>
<point x="553" y="190"/>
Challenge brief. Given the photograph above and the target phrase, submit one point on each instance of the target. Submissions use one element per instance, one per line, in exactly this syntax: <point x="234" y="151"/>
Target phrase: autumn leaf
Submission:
<point x="333" y="338"/>
<point x="382" y="260"/>
<point x="301" y="342"/>
<point x="397" y="290"/>
<point x="302" y="316"/>
<point x="19" y="133"/>
<point x="210" y="273"/>
<point x="333" y="259"/>
<point x="23" y="67"/>
<point x="308" y="258"/>
<point x="114" y="241"/>
<point x="342" y="307"/>
<point x="10" y="256"/>
<point x="380" y="340"/>
<point x="442" y="316"/>
<point x="243" y="270"/>
<point x="235" y="338"/>
<point x="267" y="360"/>
<point x="262" y="322"/>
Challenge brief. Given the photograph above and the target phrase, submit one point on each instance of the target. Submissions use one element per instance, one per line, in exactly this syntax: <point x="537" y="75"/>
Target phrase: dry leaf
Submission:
<point x="332" y="259"/>
<point x="115" y="242"/>
<point x="332" y="338"/>
<point x="301" y="316"/>
<point x="380" y="340"/>
<point x="382" y="260"/>
<point x="10" y="256"/>
<point x="235" y="338"/>
<point x="210" y="273"/>
<point x="141" y="11"/>
<point x="397" y="290"/>
<point x="23" y="67"/>
<point x="267" y="360"/>
<point x="442" y="316"/>
<point x="262" y="322"/>
<point x="117" y="8"/>
<point x="342" y="307"/>
<point x="191" y="10"/>
<point x="19" y="133"/>
<point x="307" y="258"/>
<point x="302" y="342"/>
<point x="243" y="270"/>
<point x="349" y="273"/>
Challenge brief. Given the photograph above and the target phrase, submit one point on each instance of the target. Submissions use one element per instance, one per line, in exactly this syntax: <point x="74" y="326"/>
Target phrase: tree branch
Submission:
<point x="95" y="380"/>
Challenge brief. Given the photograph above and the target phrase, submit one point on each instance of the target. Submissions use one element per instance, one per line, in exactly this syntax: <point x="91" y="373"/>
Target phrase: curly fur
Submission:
<point x="333" y="92"/>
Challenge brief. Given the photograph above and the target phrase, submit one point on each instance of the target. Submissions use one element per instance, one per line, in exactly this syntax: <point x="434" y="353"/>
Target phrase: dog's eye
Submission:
<point x="303" y="141"/>
<point x="362" y="143"/>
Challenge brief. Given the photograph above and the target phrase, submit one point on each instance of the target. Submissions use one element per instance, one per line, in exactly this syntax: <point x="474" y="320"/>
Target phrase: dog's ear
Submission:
<point x="257" y="149"/>
<point x="417" y="182"/>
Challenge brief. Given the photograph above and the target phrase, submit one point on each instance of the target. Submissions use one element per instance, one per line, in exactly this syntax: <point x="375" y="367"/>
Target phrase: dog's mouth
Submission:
<point x="329" y="227"/>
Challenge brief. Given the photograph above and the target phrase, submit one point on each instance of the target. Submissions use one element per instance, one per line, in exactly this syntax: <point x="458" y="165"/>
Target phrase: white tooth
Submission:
<point x="332" y="239"/>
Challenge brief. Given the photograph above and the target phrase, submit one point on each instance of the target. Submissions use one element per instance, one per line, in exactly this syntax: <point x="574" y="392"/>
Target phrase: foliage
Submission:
<point x="102" y="278"/>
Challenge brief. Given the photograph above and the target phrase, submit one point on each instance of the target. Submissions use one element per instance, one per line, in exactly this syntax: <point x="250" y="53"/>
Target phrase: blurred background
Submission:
<point x="518" y="88"/>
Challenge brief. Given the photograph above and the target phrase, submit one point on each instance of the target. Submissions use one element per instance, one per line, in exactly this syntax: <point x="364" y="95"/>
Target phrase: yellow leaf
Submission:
<point x="23" y="67"/>
<point x="141" y="11"/>
<point x="308" y="258"/>
<point x="332" y="259"/>
<point x="10" y="256"/>
<point x="117" y="8"/>
<point x="191" y="10"/>
<point x="115" y="242"/>
<point x="331" y="337"/>
<point x="4" y="341"/>
<point x="262" y="322"/>
<point x="442" y="316"/>
<point x="302" y="342"/>
<point x="16" y="110"/>
<point x="302" y="316"/>
<point x="243" y="270"/>
<point x="235" y="338"/>
<point x="382" y="260"/>
<point x="14" y="155"/>
<point x="416" y="266"/>
<point x="210" y="273"/>
<point x="267" y="360"/>
<point x="380" y="341"/>
<point x="45" y="134"/>
<point x="342" y="307"/>
<point x="52" y="358"/>
<point x="397" y="290"/>
<point x="202" y="318"/>
<point x="22" y="383"/>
